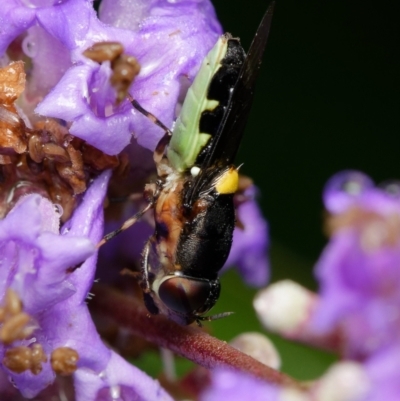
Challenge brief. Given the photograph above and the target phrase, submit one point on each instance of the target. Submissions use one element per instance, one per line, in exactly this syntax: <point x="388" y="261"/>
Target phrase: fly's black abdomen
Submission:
<point x="206" y="240"/>
<point x="220" y="90"/>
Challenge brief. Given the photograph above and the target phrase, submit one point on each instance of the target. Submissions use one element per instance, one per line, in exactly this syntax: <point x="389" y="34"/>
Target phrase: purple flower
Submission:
<point x="237" y="386"/>
<point x="36" y="264"/>
<point x="383" y="372"/>
<point x="45" y="269"/>
<point x="359" y="269"/>
<point x="119" y="380"/>
<point x="169" y="44"/>
<point x="250" y="242"/>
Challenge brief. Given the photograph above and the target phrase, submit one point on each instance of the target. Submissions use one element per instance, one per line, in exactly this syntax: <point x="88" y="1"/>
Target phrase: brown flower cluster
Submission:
<point x="44" y="158"/>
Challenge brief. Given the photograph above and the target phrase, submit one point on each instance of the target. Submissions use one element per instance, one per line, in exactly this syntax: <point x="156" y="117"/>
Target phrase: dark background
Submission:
<point x="327" y="99"/>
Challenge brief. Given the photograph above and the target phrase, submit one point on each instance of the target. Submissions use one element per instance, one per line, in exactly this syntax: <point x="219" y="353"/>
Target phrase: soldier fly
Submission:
<point x="193" y="196"/>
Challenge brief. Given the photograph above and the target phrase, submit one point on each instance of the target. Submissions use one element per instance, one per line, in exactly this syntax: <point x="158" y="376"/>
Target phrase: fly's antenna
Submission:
<point x="200" y="319"/>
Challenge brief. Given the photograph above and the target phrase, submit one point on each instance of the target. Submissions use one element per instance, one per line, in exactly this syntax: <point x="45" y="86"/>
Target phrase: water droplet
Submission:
<point x="351" y="182"/>
<point x="29" y="46"/>
<point x="115" y="392"/>
<point x="59" y="209"/>
<point x="343" y="188"/>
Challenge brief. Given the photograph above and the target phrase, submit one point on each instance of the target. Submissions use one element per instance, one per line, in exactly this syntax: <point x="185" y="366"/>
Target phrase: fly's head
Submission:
<point x="183" y="298"/>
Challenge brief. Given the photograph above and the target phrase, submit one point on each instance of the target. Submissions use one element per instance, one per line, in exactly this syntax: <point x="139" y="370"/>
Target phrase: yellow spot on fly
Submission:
<point x="228" y="182"/>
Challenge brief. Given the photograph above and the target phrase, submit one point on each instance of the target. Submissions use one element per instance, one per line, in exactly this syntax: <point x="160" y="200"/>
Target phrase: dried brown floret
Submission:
<point x="104" y="51"/>
<point x="15" y="328"/>
<point x="125" y="67"/>
<point x="125" y="70"/>
<point x="12" y="82"/>
<point x="95" y="158"/>
<point x="17" y="359"/>
<point x="12" y="127"/>
<point x="12" y="134"/>
<point x="56" y="153"/>
<point x="64" y="360"/>
<point x="44" y="159"/>
<point x="12" y="302"/>
<point x="15" y="321"/>
<point x="35" y="148"/>
<point x="73" y="172"/>
<point x="20" y="359"/>
<point x="37" y="358"/>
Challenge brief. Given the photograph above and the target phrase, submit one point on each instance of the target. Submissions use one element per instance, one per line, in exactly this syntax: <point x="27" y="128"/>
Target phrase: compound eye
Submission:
<point x="186" y="295"/>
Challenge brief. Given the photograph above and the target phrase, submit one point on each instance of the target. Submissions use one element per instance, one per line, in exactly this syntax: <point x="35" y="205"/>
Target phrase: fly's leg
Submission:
<point x="164" y="141"/>
<point x="128" y="223"/>
<point x="145" y="280"/>
<point x="150" y="116"/>
<point x="151" y="193"/>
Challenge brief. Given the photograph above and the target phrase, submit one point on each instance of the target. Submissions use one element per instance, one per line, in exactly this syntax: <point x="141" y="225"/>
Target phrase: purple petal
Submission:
<point x="170" y="44"/>
<point x="14" y="19"/>
<point x="72" y="22"/>
<point x="88" y="220"/>
<point x="118" y="13"/>
<point x="68" y="100"/>
<point x="383" y="369"/>
<point x="343" y="188"/>
<point x="120" y="380"/>
<point x="36" y="263"/>
<point x="50" y="60"/>
<point x="70" y="320"/>
<point x="177" y="39"/>
<point x="237" y="386"/>
<point x="250" y="244"/>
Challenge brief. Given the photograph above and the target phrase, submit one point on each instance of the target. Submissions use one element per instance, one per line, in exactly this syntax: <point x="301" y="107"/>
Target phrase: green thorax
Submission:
<point x="187" y="141"/>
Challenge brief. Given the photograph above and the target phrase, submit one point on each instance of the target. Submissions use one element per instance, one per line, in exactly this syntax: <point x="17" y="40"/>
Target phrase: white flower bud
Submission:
<point x="284" y="307"/>
<point x="344" y="381"/>
<point x="291" y="394"/>
<point x="259" y="347"/>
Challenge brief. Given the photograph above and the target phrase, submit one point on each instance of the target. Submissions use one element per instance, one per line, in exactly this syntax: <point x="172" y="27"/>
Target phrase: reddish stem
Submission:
<point x="187" y="341"/>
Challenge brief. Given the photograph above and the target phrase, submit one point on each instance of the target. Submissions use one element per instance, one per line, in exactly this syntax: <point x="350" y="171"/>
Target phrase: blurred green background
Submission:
<point x="327" y="99"/>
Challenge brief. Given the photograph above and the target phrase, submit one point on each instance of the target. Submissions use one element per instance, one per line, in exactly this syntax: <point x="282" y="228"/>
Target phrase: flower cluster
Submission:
<point x="63" y="127"/>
